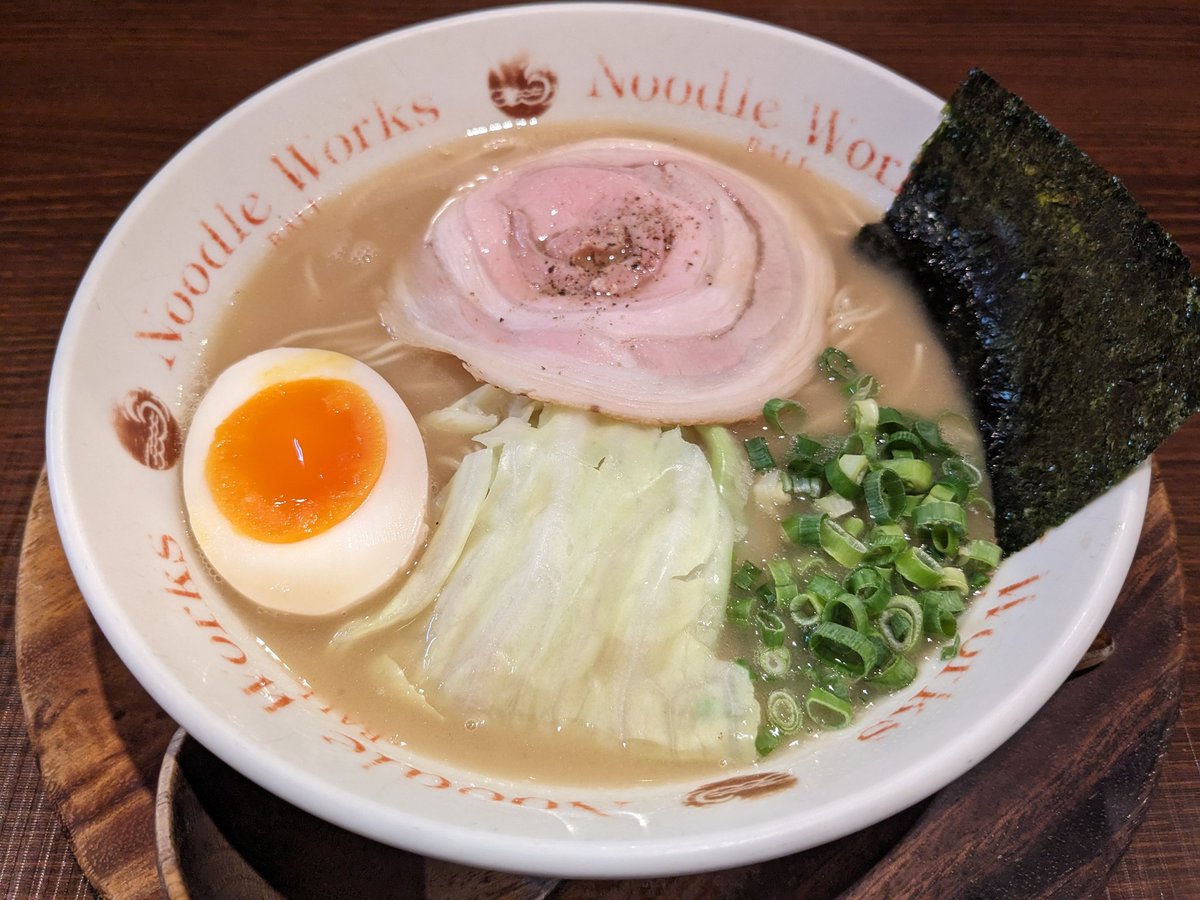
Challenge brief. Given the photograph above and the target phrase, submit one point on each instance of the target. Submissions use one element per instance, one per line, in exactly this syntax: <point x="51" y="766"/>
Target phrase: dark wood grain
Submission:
<point x="96" y="97"/>
<point x="99" y="737"/>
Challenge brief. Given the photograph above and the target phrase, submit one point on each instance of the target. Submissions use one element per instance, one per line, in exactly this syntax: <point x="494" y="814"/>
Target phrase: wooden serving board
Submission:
<point x="1047" y="814"/>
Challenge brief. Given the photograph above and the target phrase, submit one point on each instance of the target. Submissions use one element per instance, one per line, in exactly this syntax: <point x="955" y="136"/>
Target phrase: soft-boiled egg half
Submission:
<point x="305" y="480"/>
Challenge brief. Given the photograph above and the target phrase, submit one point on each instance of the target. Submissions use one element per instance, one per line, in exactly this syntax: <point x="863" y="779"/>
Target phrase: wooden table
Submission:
<point x="96" y="97"/>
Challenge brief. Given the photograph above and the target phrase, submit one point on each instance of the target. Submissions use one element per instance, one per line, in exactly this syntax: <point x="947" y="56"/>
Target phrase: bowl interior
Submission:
<point x="172" y="265"/>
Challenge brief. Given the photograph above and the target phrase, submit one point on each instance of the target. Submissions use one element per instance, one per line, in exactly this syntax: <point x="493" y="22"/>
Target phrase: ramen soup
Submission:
<point x="647" y="671"/>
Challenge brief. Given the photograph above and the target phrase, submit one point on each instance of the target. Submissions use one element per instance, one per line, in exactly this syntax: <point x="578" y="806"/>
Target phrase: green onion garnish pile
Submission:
<point x="883" y="561"/>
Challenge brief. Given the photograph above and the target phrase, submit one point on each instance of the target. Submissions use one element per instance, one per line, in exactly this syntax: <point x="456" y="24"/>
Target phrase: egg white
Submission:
<point x="342" y="565"/>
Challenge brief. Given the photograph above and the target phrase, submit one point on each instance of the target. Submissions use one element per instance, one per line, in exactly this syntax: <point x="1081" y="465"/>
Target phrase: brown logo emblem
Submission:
<point x="147" y="430"/>
<point x="744" y="786"/>
<point x="519" y="91"/>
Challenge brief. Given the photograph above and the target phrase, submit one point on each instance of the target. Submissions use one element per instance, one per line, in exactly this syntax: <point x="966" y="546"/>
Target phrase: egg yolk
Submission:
<point x="296" y="459"/>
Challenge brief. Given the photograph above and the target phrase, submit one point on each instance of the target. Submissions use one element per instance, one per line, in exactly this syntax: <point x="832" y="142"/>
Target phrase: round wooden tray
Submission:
<point x="1047" y="813"/>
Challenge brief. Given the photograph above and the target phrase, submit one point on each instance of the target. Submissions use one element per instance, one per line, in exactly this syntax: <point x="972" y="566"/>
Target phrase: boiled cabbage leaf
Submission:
<point x="590" y="591"/>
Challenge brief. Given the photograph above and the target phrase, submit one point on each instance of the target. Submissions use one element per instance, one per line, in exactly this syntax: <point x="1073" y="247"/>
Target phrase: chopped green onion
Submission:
<point x="944" y="521"/>
<point x="870" y="585"/>
<point x="806" y="608"/>
<point x="918" y="567"/>
<point x="836" y="365"/>
<point x="939" y="609"/>
<point x="773" y="662"/>
<point x="843" y="649"/>
<point x="806" y="446"/>
<point x="885" y="525"/>
<point x="807" y="487"/>
<point x="785" y="481"/>
<point x="891" y="420"/>
<point x="940" y="513"/>
<point x="951" y="650"/>
<point x="870" y="446"/>
<point x="771" y="629"/>
<point x="901" y="623"/>
<point x="940" y="490"/>
<point x="954" y="579"/>
<point x="980" y="554"/>
<point x="916" y="474"/>
<point x="883" y="653"/>
<point x="823" y="676"/>
<point x="803" y="458"/>
<point x="945" y="539"/>
<point x="746" y="577"/>
<point x="884" y="492"/>
<point x="783" y="711"/>
<point x="775" y="411"/>
<point x="781" y="572"/>
<point x="883" y="543"/>
<point x="978" y="580"/>
<point x="856" y="442"/>
<point x="899" y="672"/>
<point x="845" y="474"/>
<point x="804" y="528"/>
<point x="854" y="466"/>
<point x="841" y="544"/>
<point x="759" y="453"/>
<point x="864" y="415"/>
<point x="805" y="467"/>
<point x="738" y="609"/>
<point x="950" y="488"/>
<point x="931" y="435"/>
<point x="847" y="610"/>
<point x="957" y="467"/>
<point x="784" y="580"/>
<point x="903" y="440"/>
<point x="824" y="587"/>
<point x="809" y="568"/>
<point x="768" y="738"/>
<point x="827" y="709"/>
<point x="863" y="388"/>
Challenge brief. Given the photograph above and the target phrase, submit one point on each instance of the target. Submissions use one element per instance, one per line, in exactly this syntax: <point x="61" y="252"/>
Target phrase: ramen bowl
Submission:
<point x="134" y="345"/>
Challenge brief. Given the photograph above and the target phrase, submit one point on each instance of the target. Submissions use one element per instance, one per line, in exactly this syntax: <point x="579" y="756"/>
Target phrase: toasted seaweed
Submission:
<point x="1070" y="315"/>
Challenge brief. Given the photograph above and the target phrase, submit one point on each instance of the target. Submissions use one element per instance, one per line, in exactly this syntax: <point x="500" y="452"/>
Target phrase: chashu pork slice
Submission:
<point x="627" y="277"/>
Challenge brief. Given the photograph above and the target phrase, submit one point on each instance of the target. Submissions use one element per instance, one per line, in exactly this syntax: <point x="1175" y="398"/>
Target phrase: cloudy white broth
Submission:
<point x="325" y="286"/>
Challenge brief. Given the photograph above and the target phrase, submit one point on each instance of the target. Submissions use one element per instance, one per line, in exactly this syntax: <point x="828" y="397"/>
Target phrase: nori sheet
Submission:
<point x="1070" y="315"/>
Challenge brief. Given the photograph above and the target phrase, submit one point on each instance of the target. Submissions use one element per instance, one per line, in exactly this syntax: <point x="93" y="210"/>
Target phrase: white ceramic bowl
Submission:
<point x="155" y="292"/>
